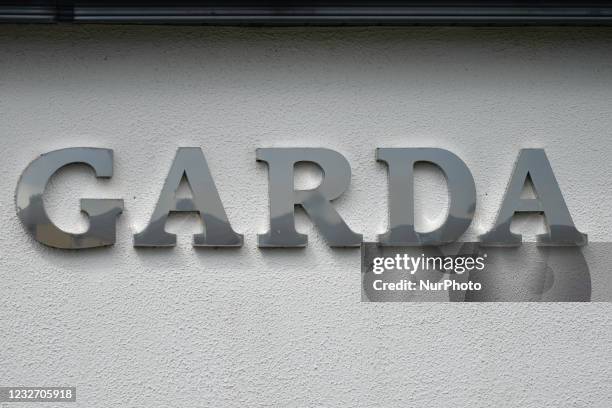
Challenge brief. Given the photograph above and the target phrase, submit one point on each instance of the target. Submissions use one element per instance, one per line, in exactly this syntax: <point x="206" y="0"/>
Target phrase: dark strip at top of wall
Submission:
<point x="232" y="12"/>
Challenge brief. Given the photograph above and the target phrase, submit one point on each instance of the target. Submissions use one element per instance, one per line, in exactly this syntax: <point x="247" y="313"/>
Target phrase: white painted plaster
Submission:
<point x="249" y="327"/>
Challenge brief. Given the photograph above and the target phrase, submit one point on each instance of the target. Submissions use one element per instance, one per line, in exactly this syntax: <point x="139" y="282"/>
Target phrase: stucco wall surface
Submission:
<point x="248" y="327"/>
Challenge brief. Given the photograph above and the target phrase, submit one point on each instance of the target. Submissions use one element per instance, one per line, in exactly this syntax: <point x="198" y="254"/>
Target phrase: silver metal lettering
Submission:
<point x="316" y="202"/>
<point x="533" y="164"/>
<point x="191" y="164"/>
<point x="102" y="212"/>
<point x="461" y="190"/>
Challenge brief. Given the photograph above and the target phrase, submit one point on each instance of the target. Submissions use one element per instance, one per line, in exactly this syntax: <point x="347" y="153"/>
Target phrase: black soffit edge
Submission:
<point x="230" y="12"/>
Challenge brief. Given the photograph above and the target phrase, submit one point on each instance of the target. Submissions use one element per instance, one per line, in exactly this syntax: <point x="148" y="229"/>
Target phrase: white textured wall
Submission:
<point x="248" y="327"/>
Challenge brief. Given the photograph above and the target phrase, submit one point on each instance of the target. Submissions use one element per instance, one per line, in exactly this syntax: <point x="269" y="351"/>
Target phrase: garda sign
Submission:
<point x="190" y="163"/>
